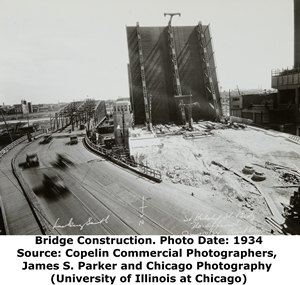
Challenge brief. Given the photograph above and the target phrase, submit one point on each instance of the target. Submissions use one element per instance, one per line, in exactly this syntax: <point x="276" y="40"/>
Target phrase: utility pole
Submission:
<point x="190" y="113"/>
<point x="237" y="87"/>
<point x="297" y="111"/>
<point x="72" y="120"/>
<point x="50" y="123"/>
<point x="11" y="139"/>
<point x="57" y="120"/>
<point x="229" y="103"/>
<point x="28" y="130"/>
<point x="123" y="125"/>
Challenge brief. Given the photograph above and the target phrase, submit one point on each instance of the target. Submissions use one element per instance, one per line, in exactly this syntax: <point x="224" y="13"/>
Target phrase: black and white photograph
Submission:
<point x="149" y="117"/>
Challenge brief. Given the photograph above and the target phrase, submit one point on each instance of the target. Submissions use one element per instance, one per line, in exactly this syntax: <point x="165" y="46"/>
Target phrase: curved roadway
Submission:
<point x="104" y="198"/>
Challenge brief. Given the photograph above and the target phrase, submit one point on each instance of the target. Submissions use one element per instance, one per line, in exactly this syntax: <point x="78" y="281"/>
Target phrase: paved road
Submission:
<point x="19" y="216"/>
<point x="114" y="200"/>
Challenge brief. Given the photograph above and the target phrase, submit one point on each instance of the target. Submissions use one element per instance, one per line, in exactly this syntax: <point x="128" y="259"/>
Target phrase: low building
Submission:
<point x="43" y="108"/>
<point x="260" y="108"/>
<point x="35" y="108"/>
<point x="236" y="105"/>
<point x="17" y="109"/>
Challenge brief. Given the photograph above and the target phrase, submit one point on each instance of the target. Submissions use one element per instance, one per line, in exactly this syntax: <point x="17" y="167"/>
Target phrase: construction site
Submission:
<point x="181" y="129"/>
<point x="170" y="158"/>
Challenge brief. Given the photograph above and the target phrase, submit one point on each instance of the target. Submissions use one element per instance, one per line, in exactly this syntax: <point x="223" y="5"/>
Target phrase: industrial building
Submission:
<point x="172" y="74"/>
<point x="288" y="81"/>
<point x="258" y="107"/>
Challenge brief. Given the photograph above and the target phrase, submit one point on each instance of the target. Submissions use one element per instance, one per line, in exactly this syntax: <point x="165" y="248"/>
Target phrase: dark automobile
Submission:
<point x="54" y="182"/>
<point x="47" y="138"/>
<point x="73" y="140"/>
<point x="32" y="160"/>
<point x="62" y="161"/>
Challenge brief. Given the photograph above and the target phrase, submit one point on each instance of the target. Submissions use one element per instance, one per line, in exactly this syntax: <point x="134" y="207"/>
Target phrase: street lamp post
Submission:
<point x="123" y="125"/>
<point x="72" y="118"/>
<point x="11" y="139"/>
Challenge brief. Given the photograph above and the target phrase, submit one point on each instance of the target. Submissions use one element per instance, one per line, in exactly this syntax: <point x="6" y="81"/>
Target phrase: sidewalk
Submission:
<point x="19" y="217"/>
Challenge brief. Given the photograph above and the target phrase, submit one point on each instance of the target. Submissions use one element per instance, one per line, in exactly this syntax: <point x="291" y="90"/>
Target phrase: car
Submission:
<point x="73" y="140"/>
<point x="32" y="160"/>
<point x="62" y="161"/>
<point x="54" y="182"/>
<point x="47" y="138"/>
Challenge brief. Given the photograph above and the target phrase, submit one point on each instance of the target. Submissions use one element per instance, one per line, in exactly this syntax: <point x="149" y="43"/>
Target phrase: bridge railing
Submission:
<point x="97" y="148"/>
<point x="16" y="142"/>
<point x="128" y="163"/>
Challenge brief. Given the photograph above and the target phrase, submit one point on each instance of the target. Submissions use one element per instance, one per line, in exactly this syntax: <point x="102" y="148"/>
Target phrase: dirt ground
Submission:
<point x="209" y="162"/>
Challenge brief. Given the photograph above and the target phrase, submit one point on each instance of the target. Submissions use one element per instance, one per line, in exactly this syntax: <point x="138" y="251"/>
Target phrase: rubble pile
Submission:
<point x="214" y="163"/>
<point x="287" y="174"/>
<point x="180" y="162"/>
<point x="199" y="128"/>
<point x="290" y="178"/>
<point x="193" y="178"/>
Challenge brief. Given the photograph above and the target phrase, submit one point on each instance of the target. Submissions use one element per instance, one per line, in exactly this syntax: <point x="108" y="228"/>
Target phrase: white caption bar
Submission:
<point x="149" y="259"/>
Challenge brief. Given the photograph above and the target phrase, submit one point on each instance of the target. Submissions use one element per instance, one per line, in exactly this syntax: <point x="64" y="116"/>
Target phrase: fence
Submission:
<point x="16" y="142"/>
<point x="139" y="168"/>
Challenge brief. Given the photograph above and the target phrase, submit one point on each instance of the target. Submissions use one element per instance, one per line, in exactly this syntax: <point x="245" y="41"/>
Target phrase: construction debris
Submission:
<point x="218" y="166"/>
<point x="279" y="228"/>
<point x="290" y="178"/>
<point x="287" y="174"/>
<point x="200" y="129"/>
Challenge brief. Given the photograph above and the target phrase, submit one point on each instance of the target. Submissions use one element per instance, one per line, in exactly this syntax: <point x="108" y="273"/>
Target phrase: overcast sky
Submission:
<point x="60" y="50"/>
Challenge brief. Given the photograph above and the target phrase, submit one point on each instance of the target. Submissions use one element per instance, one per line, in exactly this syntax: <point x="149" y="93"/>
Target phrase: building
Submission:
<point x="43" y="108"/>
<point x="259" y="107"/>
<point x="169" y="68"/>
<point x="25" y="109"/>
<point x="236" y="105"/>
<point x="287" y="82"/>
<point x="17" y="109"/>
<point x="122" y="122"/>
<point x="35" y="108"/>
<point x="30" y="109"/>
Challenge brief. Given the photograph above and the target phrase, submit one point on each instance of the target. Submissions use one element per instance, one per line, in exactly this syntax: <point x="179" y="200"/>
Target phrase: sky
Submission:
<point x="63" y="50"/>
